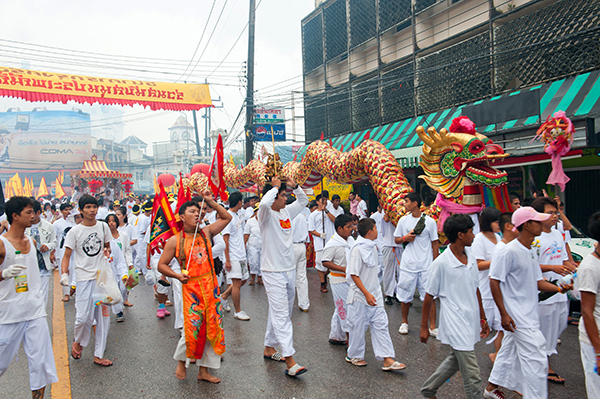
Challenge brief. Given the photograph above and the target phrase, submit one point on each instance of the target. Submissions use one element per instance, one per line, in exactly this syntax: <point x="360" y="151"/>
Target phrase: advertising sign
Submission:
<point x="263" y="132"/>
<point x="269" y="115"/>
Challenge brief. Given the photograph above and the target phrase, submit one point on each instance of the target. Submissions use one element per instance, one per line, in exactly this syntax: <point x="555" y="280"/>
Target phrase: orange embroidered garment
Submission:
<point x="202" y="312"/>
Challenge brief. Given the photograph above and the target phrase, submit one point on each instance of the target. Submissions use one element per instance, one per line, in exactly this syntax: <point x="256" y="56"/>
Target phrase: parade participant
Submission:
<point x="202" y="339"/>
<point x="130" y="231"/>
<point x="47" y="215"/>
<point x="300" y="239"/>
<point x="553" y="259"/>
<point x="353" y="203"/>
<point x="90" y="243"/>
<point x="421" y="249"/>
<point x="61" y="228"/>
<point x="453" y="278"/>
<point x="335" y="258"/>
<point x="122" y="241"/>
<point x="210" y="216"/>
<point x="22" y="308"/>
<point x="236" y="264"/>
<point x="365" y="302"/>
<point x="392" y="254"/>
<point x="316" y="228"/>
<point x="133" y="217"/>
<point x="515" y="277"/>
<point x="103" y="209"/>
<point x="161" y="287"/>
<point x="141" y="227"/>
<point x="279" y="269"/>
<point x="334" y="210"/>
<point x="482" y="249"/>
<point x="361" y="209"/>
<point x="588" y="275"/>
<point x="44" y="236"/>
<point x="515" y="201"/>
<point x="253" y="242"/>
<point x="130" y="203"/>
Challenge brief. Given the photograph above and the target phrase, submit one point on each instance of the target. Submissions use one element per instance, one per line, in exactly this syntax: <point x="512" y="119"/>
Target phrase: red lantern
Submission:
<point x="127" y="184"/>
<point x="94" y="185"/>
<point x="201" y="168"/>
<point x="166" y="179"/>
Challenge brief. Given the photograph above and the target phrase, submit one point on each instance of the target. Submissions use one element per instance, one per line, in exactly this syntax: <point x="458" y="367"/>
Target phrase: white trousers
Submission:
<point x="492" y="314"/>
<point x="140" y="260"/>
<point x="407" y="282"/>
<point x="85" y="314"/>
<point x="339" y="327"/>
<point x="391" y="269"/>
<point x="209" y="358"/>
<point x="119" y="307"/>
<point x="521" y="364"/>
<point x="280" y="289"/>
<point x="37" y="345"/>
<point x="553" y="321"/>
<point x="592" y="379"/>
<point x="318" y="263"/>
<point x="177" y="303"/>
<point x="45" y="278"/>
<point x="253" y="255"/>
<point x="360" y="317"/>
<point x="301" y="279"/>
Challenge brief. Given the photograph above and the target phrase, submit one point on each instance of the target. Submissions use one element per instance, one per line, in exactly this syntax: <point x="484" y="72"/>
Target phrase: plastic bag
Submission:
<point x="133" y="279"/>
<point x="149" y="277"/>
<point x="107" y="290"/>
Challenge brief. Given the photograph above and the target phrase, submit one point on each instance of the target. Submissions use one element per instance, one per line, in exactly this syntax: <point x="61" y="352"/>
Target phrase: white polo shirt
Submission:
<point x="417" y="255"/>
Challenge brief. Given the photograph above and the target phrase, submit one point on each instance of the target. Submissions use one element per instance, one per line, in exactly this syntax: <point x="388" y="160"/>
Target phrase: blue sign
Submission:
<point x="263" y="132"/>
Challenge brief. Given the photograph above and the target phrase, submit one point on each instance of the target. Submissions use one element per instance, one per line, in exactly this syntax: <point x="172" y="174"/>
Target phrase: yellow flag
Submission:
<point x="43" y="189"/>
<point x="58" y="190"/>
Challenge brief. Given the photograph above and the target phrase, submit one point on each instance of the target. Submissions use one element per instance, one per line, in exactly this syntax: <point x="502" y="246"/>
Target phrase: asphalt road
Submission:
<point x="142" y="350"/>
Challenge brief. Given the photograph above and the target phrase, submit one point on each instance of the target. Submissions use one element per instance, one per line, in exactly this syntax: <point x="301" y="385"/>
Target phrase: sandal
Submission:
<point x="251" y="282"/>
<point x="277" y="357"/>
<point x="394" y="366"/>
<point x="295" y="370"/>
<point x="103" y="362"/>
<point x="74" y="353"/>
<point x="356" y="362"/>
<point x="555" y="379"/>
<point x="66" y="298"/>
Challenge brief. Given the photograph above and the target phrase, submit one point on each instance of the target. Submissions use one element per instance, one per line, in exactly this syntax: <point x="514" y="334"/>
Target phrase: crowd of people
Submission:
<point x="500" y="274"/>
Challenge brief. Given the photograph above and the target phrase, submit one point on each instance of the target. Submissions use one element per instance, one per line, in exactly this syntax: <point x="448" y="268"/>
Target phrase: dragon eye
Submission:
<point x="476" y="146"/>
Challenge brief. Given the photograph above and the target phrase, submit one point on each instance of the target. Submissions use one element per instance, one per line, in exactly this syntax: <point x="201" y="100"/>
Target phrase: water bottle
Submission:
<point x="568" y="279"/>
<point x="21" y="279"/>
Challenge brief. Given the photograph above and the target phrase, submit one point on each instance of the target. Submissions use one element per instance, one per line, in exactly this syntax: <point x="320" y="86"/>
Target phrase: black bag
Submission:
<point x="218" y="266"/>
<point x="41" y="261"/>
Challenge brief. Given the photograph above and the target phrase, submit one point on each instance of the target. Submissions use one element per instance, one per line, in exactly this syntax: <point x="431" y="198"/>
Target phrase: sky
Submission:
<point x="162" y="30"/>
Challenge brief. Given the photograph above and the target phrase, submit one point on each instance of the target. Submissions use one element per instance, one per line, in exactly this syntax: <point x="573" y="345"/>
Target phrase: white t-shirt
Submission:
<point x="102" y="213"/>
<point x="456" y="285"/>
<point x="368" y="276"/>
<point x="518" y="271"/>
<point x="387" y="234"/>
<point x="154" y="257"/>
<point x="361" y="209"/>
<point x="248" y="213"/>
<point x="235" y="229"/>
<point x="315" y="223"/>
<point x="277" y="254"/>
<point x="300" y="229"/>
<point x="218" y="247"/>
<point x="87" y="244"/>
<point x="129" y="230"/>
<point x="329" y="225"/>
<point x="142" y="224"/>
<point x="550" y="250"/>
<point x="59" y="229"/>
<point x="212" y="217"/>
<point x="16" y="306"/>
<point x="253" y="230"/>
<point x="588" y="276"/>
<point x="417" y="255"/>
<point x="129" y="207"/>
<point x="483" y="249"/>
<point x="124" y="243"/>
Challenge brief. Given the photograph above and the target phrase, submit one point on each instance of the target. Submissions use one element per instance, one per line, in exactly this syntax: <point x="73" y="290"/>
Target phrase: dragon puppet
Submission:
<point x="456" y="165"/>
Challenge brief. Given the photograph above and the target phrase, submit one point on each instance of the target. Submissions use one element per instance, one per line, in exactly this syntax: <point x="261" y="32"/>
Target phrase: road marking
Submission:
<point x="62" y="388"/>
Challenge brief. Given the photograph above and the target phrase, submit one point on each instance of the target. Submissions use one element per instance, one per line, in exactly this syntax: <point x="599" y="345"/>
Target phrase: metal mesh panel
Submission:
<point x="336" y="34"/>
<point x="397" y="94"/>
<point x="363" y="22"/>
<point x="392" y="12"/>
<point x="365" y="104"/>
<point x="312" y="43"/>
<point x="420" y="5"/>
<point x="339" y="119"/>
<point x="314" y="117"/>
<point x="454" y="75"/>
<point x="556" y="41"/>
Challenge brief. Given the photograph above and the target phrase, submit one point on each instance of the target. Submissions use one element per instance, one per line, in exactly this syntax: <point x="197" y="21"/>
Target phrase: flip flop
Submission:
<point x="295" y="370"/>
<point x="356" y="361"/>
<point x="394" y="367"/>
<point x="277" y="357"/>
<point x="74" y="353"/>
<point x="559" y="380"/>
<point x="128" y="304"/>
<point x="103" y="362"/>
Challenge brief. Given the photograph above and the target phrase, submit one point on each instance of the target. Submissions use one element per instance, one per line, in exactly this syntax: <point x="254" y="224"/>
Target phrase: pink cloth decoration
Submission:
<point x="557" y="149"/>
<point x="449" y="207"/>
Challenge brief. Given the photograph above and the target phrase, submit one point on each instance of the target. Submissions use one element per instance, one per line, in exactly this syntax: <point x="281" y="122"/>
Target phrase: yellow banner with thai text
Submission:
<point x="343" y="190"/>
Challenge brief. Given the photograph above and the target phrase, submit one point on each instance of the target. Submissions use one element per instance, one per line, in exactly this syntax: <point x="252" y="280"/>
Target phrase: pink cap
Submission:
<point x="525" y="214"/>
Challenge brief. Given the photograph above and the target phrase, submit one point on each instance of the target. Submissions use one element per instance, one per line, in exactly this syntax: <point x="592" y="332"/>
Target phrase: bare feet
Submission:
<point x="66" y="298"/>
<point x="180" y="371"/>
<point x="128" y="304"/>
<point x="204" y="376"/>
<point x="492" y="357"/>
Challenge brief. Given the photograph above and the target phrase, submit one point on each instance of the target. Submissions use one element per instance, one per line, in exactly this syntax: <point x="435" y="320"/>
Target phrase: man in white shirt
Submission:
<point x="392" y="254"/>
<point x="236" y="264"/>
<point x="300" y="238"/>
<point x="317" y="227"/>
<point x="361" y="209"/>
<point x="103" y="210"/>
<point x="61" y="228"/>
<point x="279" y="269"/>
<point x="130" y="203"/>
<point x="142" y="223"/>
<point x="421" y="249"/>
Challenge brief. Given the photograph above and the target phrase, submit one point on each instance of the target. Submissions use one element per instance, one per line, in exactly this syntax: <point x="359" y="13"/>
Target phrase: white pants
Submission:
<point x="360" y="317"/>
<point x="318" y="263"/>
<point x="592" y="380"/>
<point x="492" y="314"/>
<point x="391" y="269"/>
<point x="521" y="364"/>
<point x="301" y="280"/>
<point x="37" y="345"/>
<point x="45" y="278"/>
<point x="339" y="327"/>
<point x="177" y="303"/>
<point x="254" y="260"/>
<point x="280" y="289"/>
<point x="553" y="321"/>
<point x="209" y="358"/>
<point x="85" y="314"/>
<point x="119" y="307"/>
<point x="140" y="260"/>
<point x="407" y="282"/>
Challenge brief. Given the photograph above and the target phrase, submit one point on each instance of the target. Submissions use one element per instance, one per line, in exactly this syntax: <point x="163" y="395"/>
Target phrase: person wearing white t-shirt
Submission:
<point x="317" y="227"/>
<point x="23" y="314"/>
<point x="236" y="264"/>
<point x="515" y="277"/>
<point x="141" y="225"/>
<point x="300" y="238"/>
<point x="391" y="256"/>
<point x="554" y="262"/>
<point x="454" y="279"/>
<point x="90" y="243"/>
<point x="121" y="262"/>
<point x="420" y="251"/>
<point x="129" y="204"/>
<point x="103" y="210"/>
<point x="61" y="228"/>
<point x="361" y="209"/>
<point x="378" y="218"/>
<point x="253" y="241"/>
<point x="278" y="267"/>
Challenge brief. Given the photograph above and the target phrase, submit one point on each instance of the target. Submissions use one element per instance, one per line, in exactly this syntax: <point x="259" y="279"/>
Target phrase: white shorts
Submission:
<point x="318" y="263"/>
<point x="239" y="270"/>
<point x="407" y="282"/>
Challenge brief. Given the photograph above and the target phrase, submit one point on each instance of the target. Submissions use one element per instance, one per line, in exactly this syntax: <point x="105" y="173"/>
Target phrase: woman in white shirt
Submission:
<point x="123" y="242"/>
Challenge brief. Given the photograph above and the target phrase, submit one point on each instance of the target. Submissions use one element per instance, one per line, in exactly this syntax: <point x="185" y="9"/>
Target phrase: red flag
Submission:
<point x="163" y="223"/>
<point x="330" y="142"/>
<point x="216" y="178"/>
<point x="342" y="149"/>
<point x="368" y="135"/>
<point x="353" y="145"/>
<point x="295" y="157"/>
<point x="322" y="136"/>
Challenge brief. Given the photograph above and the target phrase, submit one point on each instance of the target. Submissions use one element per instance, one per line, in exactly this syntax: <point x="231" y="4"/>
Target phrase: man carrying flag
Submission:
<point x="216" y="178"/>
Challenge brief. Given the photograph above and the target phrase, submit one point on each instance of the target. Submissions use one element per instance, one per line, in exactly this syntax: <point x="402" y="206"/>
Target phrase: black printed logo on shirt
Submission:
<point x="92" y="245"/>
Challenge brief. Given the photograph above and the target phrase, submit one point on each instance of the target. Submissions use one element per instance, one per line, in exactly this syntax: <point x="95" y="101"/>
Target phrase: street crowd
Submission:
<point x="506" y="277"/>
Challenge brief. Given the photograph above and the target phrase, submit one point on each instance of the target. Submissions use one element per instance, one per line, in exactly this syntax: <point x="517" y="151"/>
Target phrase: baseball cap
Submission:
<point x="135" y="209"/>
<point x="147" y="206"/>
<point x="525" y="214"/>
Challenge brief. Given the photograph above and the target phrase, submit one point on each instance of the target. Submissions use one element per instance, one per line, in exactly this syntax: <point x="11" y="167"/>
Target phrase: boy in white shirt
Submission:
<point x="421" y="249"/>
<point x="335" y="258"/>
<point x="454" y="279"/>
<point x="317" y="227"/>
<point x="365" y="302"/>
<point x="515" y="277"/>
<point x="300" y="238"/>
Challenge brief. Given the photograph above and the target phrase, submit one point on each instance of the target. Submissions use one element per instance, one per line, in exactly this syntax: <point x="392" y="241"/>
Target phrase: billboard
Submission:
<point x="263" y="132"/>
<point x="269" y="115"/>
<point x="39" y="141"/>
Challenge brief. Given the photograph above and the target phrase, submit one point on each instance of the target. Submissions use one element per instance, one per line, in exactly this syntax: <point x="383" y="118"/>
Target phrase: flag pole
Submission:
<point x="273" y="141"/>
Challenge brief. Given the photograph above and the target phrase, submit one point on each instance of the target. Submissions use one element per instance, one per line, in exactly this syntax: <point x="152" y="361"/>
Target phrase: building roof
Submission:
<point x="181" y="122"/>
<point x="134" y="140"/>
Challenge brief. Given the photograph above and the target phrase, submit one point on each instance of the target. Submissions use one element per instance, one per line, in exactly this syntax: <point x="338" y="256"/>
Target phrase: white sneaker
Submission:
<point x="495" y="394"/>
<point x="403" y="329"/>
<point x="226" y="307"/>
<point x="241" y="315"/>
<point x="433" y="332"/>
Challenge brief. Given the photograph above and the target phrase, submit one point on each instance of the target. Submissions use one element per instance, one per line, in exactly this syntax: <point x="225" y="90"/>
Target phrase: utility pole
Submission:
<point x="196" y="131"/>
<point x="250" y="93"/>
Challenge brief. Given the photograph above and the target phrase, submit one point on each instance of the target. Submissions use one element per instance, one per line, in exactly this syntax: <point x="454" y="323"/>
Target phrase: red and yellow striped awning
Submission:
<point x="95" y="168"/>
